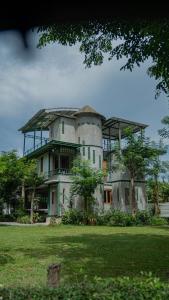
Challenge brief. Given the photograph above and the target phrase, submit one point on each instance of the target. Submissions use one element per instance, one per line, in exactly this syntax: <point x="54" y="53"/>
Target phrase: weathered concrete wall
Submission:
<point x="164" y="209"/>
<point x="54" y="130"/>
<point x="89" y="129"/>
<point x="118" y="195"/>
<point x="63" y="129"/>
<point x="89" y="133"/>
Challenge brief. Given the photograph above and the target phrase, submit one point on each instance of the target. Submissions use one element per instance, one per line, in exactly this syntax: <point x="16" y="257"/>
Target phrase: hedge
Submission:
<point x="112" y="218"/>
<point x="120" y="288"/>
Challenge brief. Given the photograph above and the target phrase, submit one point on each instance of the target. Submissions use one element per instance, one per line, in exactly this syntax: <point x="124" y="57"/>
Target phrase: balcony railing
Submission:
<point x="59" y="171"/>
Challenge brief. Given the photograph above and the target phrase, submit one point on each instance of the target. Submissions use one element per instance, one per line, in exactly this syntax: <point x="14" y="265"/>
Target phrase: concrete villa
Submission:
<point x="58" y="135"/>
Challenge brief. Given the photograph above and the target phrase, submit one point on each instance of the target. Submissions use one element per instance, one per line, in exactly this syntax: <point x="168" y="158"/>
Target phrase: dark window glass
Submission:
<point x="56" y="162"/>
<point x="63" y="125"/>
<point x="127" y="202"/>
<point x="41" y="164"/>
<point x="105" y="197"/>
<point x="94" y="156"/>
<point x="53" y="197"/>
<point x="64" y="162"/>
<point x="88" y="152"/>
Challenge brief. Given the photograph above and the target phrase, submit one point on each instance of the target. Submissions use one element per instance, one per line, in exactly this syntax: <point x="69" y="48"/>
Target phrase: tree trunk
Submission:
<point x="32" y="206"/>
<point x="155" y="197"/>
<point x="23" y="194"/>
<point x="133" y="198"/>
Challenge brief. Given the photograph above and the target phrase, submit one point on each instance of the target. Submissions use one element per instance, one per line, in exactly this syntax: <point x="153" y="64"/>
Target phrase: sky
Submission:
<point x="55" y="76"/>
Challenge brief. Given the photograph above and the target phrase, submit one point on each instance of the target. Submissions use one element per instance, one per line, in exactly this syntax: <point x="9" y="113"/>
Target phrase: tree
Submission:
<point x="137" y="41"/>
<point x="85" y="179"/>
<point x="164" y="132"/>
<point x="157" y="167"/>
<point x="32" y="180"/>
<point x="135" y="158"/>
<point x="15" y="174"/>
<point x="10" y="176"/>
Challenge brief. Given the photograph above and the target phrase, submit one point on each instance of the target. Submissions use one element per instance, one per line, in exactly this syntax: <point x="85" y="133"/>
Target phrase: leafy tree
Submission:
<point x="10" y="176"/>
<point x="32" y="180"/>
<point x="16" y="172"/>
<point x="164" y="132"/>
<point x="163" y="188"/>
<point x="136" y="40"/>
<point x="85" y="180"/>
<point x="157" y="167"/>
<point x="135" y="158"/>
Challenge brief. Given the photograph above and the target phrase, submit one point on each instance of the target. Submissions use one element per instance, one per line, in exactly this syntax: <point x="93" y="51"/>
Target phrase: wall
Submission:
<point x="119" y="202"/>
<point x="55" y="130"/>
<point x="88" y="129"/>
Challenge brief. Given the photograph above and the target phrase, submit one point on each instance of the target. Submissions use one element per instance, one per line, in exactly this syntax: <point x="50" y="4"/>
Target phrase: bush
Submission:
<point x="24" y="219"/>
<point x="120" y="288"/>
<point x="55" y="220"/>
<point x="7" y="218"/>
<point x="73" y="217"/>
<point x="158" y="221"/>
<point x="112" y="218"/>
<point x="143" y="217"/>
<point x="120" y="218"/>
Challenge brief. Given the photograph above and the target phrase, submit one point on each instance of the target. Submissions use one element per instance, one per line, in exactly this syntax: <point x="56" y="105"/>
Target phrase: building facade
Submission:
<point x="60" y="135"/>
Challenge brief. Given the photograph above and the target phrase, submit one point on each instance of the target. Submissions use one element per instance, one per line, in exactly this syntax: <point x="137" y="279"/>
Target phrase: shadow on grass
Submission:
<point x="5" y="259"/>
<point x="105" y="255"/>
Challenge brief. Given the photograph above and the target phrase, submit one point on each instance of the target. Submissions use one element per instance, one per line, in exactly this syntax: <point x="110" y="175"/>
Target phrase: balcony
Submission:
<point x="58" y="171"/>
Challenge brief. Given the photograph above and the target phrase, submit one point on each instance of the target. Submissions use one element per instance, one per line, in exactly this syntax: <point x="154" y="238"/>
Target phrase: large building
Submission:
<point x="56" y="136"/>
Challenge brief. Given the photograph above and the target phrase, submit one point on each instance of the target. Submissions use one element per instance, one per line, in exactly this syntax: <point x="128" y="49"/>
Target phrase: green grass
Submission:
<point x="25" y="252"/>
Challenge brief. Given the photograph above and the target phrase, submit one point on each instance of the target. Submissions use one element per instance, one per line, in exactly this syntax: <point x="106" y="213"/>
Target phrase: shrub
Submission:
<point x="73" y="216"/>
<point x="143" y="217"/>
<point x="20" y="212"/>
<point x="54" y="220"/>
<point x="36" y="217"/>
<point x="120" y="288"/>
<point x="158" y="221"/>
<point x="120" y="218"/>
<point x="7" y="218"/>
<point x="24" y="219"/>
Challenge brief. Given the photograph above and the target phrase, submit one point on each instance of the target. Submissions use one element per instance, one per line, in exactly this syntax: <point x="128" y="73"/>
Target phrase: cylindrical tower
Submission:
<point x="89" y="135"/>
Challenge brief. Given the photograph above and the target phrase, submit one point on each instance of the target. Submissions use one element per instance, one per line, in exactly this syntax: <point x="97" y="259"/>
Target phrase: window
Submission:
<point x="127" y="202"/>
<point x="100" y="162"/>
<point x="64" y="162"/>
<point x="88" y="152"/>
<point x="41" y="164"/>
<point x="108" y="196"/>
<point x="56" y="162"/>
<point x="63" y="125"/>
<point x="53" y="197"/>
<point x="94" y="156"/>
<point x="78" y="139"/>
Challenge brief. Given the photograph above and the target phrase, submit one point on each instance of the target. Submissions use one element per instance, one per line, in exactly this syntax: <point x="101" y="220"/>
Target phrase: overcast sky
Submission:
<point x="56" y="76"/>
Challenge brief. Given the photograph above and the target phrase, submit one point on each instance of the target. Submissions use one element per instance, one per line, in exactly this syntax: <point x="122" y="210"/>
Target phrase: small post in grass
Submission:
<point x="53" y="275"/>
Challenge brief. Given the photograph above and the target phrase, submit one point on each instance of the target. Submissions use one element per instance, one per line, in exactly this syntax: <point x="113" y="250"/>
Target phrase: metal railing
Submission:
<point x="37" y="146"/>
<point x="58" y="171"/>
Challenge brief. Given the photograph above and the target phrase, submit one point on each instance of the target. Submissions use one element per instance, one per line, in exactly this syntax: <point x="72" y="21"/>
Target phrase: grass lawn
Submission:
<point x="25" y="252"/>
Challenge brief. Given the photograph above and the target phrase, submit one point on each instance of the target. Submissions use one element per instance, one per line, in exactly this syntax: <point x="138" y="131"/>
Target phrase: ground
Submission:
<point x="25" y="252"/>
